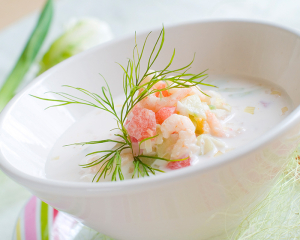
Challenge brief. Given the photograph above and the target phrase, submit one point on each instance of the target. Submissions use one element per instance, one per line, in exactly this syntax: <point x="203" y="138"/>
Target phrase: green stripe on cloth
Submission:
<point x="44" y="221"/>
<point x="18" y="230"/>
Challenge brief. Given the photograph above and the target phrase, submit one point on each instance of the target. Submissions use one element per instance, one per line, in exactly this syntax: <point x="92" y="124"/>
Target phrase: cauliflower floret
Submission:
<point x="209" y="144"/>
<point x="192" y="105"/>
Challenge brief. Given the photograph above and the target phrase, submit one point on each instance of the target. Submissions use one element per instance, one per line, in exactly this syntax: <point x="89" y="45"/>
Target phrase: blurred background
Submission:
<point x="13" y="10"/>
<point x="18" y="18"/>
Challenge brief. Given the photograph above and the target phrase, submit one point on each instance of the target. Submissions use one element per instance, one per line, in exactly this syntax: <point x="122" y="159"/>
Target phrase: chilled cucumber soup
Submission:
<point x="256" y="107"/>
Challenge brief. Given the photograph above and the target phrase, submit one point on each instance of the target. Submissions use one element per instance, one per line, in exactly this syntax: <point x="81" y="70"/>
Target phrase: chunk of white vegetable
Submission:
<point x="192" y="105"/>
<point x="210" y="145"/>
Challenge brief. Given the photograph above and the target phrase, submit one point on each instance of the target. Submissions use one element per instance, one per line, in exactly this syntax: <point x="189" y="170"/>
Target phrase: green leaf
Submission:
<point x="28" y="55"/>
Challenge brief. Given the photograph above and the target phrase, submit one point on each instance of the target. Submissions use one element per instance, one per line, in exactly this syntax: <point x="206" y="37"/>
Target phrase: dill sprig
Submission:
<point x="135" y="90"/>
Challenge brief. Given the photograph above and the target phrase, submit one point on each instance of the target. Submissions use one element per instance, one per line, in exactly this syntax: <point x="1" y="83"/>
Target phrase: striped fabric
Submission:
<point x="39" y="221"/>
<point x="35" y="221"/>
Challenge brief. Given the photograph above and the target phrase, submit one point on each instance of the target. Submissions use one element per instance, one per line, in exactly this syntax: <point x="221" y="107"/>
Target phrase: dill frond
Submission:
<point x="135" y="90"/>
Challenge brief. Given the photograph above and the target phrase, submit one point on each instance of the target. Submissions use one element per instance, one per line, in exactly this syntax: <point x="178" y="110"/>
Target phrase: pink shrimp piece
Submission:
<point x="146" y="80"/>
<point x="216" y="127"/>
<point x="155" y="103"/>
<point x="141" y="123"/>
<point x="135" y="146"/>
<point x="179" y="164"/>
<point x="161" y="85"/>
<point x="184" y="145"/>
<point x="176" y="123"/>
<point x="196" y="90"/>
<point x="186" y="135"/>
<point x="163" y="114"/>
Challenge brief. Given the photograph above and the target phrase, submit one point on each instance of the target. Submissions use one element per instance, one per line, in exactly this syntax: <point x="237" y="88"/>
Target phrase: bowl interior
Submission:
<point x="28" y="132"/>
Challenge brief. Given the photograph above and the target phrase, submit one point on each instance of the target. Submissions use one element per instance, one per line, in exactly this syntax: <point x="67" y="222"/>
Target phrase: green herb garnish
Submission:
<point x="135" y="90"/>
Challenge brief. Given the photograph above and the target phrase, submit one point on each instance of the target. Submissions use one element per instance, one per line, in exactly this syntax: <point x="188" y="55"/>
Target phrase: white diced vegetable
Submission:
<point x="209" y="144"/>
<point x="192" y="105"/>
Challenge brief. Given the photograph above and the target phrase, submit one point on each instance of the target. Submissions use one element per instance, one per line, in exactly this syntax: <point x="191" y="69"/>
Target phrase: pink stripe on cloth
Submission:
<point x="29" y="220"/>
<point x="55" y="212"/>
<point x="55" y="227"/>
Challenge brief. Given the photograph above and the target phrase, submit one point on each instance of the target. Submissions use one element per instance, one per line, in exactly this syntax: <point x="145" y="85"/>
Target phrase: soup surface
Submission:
<point x="256" y="107"/>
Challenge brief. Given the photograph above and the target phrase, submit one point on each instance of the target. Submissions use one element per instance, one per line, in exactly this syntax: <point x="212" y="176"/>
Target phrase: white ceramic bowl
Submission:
<point x="192" y="203"/>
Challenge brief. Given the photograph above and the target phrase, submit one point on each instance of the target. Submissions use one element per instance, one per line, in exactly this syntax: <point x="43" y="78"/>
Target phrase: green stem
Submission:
<point x="28" y="55"/>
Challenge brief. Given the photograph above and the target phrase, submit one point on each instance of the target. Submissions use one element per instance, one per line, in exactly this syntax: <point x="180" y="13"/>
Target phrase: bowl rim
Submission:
<point x="66" y="187"/>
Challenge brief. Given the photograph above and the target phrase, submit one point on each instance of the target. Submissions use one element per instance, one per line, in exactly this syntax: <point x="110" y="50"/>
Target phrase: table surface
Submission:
<point x="124" y="17"/>
<point x="13" y="10"/>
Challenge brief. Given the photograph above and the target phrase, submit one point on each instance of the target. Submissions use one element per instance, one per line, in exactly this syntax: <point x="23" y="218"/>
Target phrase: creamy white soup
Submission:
<point x="232" y="115"/>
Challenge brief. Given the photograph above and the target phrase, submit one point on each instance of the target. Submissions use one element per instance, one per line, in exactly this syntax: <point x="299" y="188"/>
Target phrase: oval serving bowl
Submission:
<point x="200" y="202"/>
